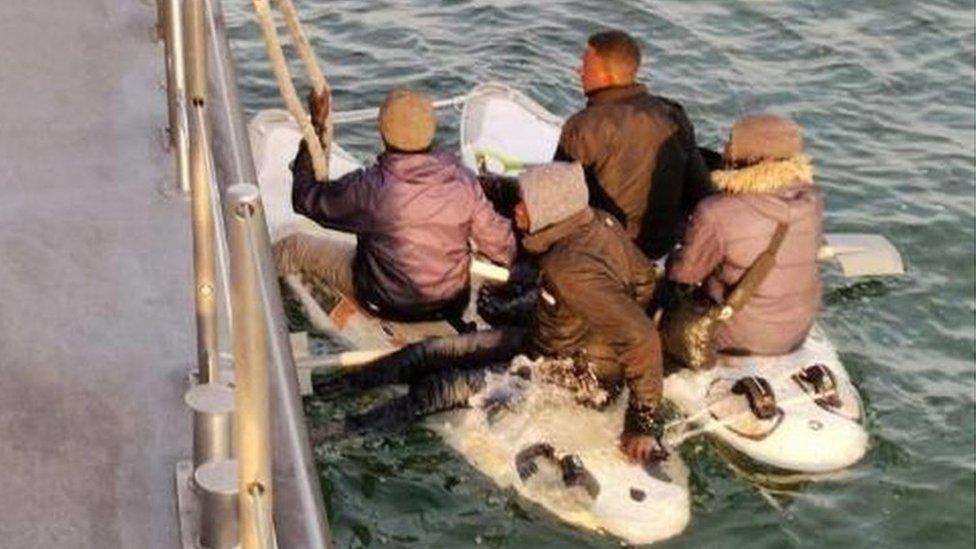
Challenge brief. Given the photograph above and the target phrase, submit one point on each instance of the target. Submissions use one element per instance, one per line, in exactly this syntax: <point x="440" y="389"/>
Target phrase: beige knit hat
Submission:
<point x="553" y="192"/>
<point x="407" y="120"/>
<point x="759" y="137"/>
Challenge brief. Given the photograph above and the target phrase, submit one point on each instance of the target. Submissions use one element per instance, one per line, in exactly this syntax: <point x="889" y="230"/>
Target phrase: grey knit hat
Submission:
<point x="760" y="137"/>
<point x="553" y="193"/>
<point x="407" y="120"/>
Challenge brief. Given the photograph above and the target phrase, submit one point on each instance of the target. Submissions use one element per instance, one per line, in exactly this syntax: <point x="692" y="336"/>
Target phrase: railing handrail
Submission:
<point x="279" y="461"/>
<point x="204" y="229"/>
<point x="252" y="435"/>
<point x="299" y="511"/>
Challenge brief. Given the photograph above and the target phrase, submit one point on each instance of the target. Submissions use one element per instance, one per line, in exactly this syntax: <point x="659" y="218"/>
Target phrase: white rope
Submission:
<point x="715" y="425"/>
<point x="315" y="75"/>
<point x="320" y="162"/>
<point x="702" y="413"/>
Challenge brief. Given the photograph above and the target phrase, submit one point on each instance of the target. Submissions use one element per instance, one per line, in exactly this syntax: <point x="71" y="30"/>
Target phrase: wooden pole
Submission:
<point x="320" y="161"/>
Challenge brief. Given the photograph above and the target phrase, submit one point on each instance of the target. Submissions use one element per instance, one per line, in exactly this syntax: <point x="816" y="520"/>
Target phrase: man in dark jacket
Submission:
<point x="595" y="287"/>
<point x="415" y="214"/>
<point x="642" y="164"/>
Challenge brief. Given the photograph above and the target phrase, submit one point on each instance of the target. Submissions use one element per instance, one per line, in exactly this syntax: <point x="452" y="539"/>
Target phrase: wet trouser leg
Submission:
<point x="442" y="374"/>
<point x="415" y="362"/>
<point x="437" y="392"/>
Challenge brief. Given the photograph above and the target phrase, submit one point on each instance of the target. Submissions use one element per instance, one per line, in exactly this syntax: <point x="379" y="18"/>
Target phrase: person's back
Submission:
<point x="770" y="182"/>
<point x="415" y="213"/>
<point x="421" y="211"/>
<point x="638" y="150"/>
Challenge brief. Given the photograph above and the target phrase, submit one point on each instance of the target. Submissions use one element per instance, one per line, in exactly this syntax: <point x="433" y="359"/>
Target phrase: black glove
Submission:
<point x="645" y="421"/>
<point x="501" y="306"/>
<point x="501" y="191"/>
<point x="523" y="275"/>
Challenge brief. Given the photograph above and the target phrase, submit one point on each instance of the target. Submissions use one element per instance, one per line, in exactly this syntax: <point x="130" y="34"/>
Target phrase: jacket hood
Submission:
<point x="423" y="168"/>
<point x="540" y="242"/>
<point x="787" y="205"/>
<point x="765" y="177"/>
<point x="553" y="193"/>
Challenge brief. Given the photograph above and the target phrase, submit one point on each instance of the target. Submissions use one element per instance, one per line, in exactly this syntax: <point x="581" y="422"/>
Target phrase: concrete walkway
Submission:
<point x="96" y="313"/>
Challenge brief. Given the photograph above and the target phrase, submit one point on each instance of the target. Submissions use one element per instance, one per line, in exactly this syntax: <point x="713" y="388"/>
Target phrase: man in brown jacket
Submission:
<point x="589" y="317"/>
<point x="595" y="287"/>
<point x="642" y="164"/>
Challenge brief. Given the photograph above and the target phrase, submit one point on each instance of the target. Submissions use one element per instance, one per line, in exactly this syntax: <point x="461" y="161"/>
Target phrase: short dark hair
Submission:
<point x="618" y="50"/>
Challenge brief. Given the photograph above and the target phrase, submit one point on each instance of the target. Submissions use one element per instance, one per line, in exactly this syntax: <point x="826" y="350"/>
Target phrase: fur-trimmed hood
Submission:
<point x="765" y="177"/>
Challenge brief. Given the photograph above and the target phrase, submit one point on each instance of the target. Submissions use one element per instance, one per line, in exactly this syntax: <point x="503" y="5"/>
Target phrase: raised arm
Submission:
<point x="337" y="204"/>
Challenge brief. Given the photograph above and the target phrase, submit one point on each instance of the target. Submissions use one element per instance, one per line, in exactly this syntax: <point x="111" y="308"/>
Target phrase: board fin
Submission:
<point x="862" y="254"/>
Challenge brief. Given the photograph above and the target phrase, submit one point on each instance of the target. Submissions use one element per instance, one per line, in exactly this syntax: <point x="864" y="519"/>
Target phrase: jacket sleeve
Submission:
<point x="696" y="183"/>
<point x="491" y="232"/>
<point x="701" y="251"/>
<point x="697" y="180"/>
<point x="337" y="204"/>
<point x="609" y="310"/>
<point x="644" y="277"/>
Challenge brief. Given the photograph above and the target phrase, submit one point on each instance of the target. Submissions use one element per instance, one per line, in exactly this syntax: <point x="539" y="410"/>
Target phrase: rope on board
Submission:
<point x="318" y="145"/>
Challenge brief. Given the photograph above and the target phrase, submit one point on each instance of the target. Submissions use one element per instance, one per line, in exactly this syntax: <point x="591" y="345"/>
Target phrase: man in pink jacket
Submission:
<point x="767" y="180"/>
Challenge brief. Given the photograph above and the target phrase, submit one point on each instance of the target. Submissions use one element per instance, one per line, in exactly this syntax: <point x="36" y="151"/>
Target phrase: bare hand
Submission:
<point x="641" y="448"/>
<point x="318" y="108"/>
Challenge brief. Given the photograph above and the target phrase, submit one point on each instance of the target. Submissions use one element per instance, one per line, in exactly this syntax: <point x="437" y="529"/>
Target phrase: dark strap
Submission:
<point x="757" y="272"/>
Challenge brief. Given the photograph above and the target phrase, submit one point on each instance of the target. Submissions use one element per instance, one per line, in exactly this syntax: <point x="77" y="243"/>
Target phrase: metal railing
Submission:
<point x="253" y="428"/>
<point x="247" y="484"/>
<point x="171" y="32"/>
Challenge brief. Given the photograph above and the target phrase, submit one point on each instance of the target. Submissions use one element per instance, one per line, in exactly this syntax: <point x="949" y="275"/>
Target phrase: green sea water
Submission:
<point x="886" y="93"/>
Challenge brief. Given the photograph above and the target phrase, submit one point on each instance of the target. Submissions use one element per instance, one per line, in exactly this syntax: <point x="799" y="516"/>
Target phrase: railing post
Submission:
<point x="250" y="333"/>
<point x="204" y="235"/>
<point x="176" y="86"/>
<point x="213" y="421"/>
<point x="217" y="482"/>
<point x="196" y="47"/>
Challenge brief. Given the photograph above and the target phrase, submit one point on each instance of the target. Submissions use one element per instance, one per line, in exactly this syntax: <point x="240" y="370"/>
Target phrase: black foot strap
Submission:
<point x="762" y="400"/>
<point x="573" y="470"/>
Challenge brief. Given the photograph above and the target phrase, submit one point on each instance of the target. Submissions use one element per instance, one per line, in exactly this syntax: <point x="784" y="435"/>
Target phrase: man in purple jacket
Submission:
<point x="415" y="213"/>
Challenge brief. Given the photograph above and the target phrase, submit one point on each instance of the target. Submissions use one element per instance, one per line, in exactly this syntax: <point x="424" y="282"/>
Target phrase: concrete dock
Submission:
<point x="96" y="318"/>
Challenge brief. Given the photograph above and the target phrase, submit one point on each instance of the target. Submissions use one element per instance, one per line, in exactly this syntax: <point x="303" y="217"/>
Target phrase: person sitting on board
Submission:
<point x="767" y="180"/>
<point x="589" y="319"/>
<point x="415" y="214"/>
<point x="639" y="152"/>
<point x="596" y="285"/>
